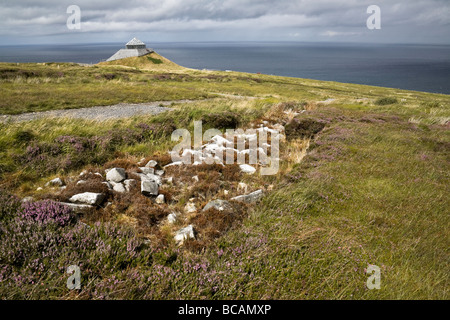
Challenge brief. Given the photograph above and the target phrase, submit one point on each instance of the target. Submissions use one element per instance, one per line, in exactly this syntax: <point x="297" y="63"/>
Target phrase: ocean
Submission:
<point x="411" y="67"/>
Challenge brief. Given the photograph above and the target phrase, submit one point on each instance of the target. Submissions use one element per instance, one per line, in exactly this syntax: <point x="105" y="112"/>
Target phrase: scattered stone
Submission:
<point x="151" y="164"/>
<point x="146" y="170"/>
<point x="160" y="199"/>
<point x="62" y="188"/>
<point x="149" y="187"/>
<point x="55" y="182"/>
<point x="242" y="187"/>
<point x="245" y="168"/>
<point x="39" y="189"/>
<point x="129" y="184"/>
<point x="109" y="185"/>
<point x="118" y="187"/>
<point x="190" y="207"/>
<point x="195" y="178"/>
<point x="184" y="234"/>
<point x="88" y="198"/>
<point x="153" y="177"/>
<point x="116" y="175"/>
<point x="81" y="182"/>
<point x="176" y="163"/>
<point x="171" y="218"/>
<point x="226" y="192"/>
<point x="82" y="173"/>
<point x="169" y="180"/>
<point x="77" y="208"/>
<point x="160" y="172"/>
<point x="98" y="174"/>
<point x="249" y="198"/>
<point x="27" y="199"/>
<point x="218" y="204"/>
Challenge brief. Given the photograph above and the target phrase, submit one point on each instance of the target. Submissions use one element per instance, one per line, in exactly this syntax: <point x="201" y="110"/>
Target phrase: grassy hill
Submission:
<point x="372" y="188"/>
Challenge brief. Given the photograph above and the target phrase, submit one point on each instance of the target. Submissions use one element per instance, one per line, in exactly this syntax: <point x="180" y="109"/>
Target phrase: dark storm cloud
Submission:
<point x="341" y="20"/>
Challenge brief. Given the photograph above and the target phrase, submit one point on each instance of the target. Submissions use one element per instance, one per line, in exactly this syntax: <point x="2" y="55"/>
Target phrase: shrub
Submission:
<point x="303" y="127"/>
<point x="386" y="101"/>
<point x="223" y="120"/>
<point x="46" y="212"/>
<point x="9" y="204"/>
<point x="23" y="136"/>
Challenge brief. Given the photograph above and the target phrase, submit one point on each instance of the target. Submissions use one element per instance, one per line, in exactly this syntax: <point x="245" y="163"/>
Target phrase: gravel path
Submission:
<point x="121" y="110"/>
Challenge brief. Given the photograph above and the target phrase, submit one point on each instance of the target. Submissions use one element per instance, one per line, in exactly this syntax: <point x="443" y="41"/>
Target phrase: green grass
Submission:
<point x="373" y="188"/>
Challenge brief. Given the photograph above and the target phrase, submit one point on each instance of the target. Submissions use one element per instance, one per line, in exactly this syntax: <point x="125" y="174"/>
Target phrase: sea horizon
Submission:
<point x="418" y="67"/>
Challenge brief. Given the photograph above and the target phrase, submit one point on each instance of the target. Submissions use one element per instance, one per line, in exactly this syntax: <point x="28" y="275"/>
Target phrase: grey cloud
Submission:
<point x="257" y="19"/>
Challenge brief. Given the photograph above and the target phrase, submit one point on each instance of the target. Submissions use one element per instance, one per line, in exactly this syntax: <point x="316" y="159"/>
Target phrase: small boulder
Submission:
<point x="116" y="175"/>
<point x="77" y="208"/>
<point x="146" y="170"/>
<point x="245" y="168"/>
<point x="149" y="187"/>
<point x="195" y="178"/>
<point x="153" y="177"/>
<point x="118" y="187"/>
<point x="27" y="199"/>
<point x="151" y="164"/>
<point x="55" y="182"/>
<point x="129" y="184"/>
<point x="159" y="172"/>
<point x="160" y="199"/>
<point x="249" y="198"/>
<point x="184" y="234"/>
<point x="218" y="204"/>
<point x="190" y="207"/>
<point x="171" y="218"/>
<point x="90" y="198"/>
<point x="109" y="185"/>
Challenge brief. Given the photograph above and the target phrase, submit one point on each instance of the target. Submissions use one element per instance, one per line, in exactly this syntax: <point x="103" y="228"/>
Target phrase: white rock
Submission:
<point x="77" y="208"/>
<point x="171" y="218"/>
<point x="249" y="198"/>
<point x="129" y="184"/>
<point x="39" y="189"/>
<point x="184" y="234"/>
<point x="153" y="177"/>
<point x="219" y="140"/>
<point x="81" y="182"/>
<point x="88" y="198"/>
<point x="149" y="187"/>
<point x="98" y="174"/>
<point x="169" y="180"/>
<point x="109" y="185"/>
<point x="247" y="168"/>
<point x="116" y="175"/>
<point x="195" y="178"/>
<point x="218" y="204"/>
<point x="159" y="172"/>
<point x="242" y="187"/>
<point x="27" y="199"/>
<point x="55" y="182"/>
<point x="151" y="164"/>
<point x="190" y="207"/>
<point x="160" y="199"/>
<point x="147" y="170"/>
<point x="176" y="163"/>
<point x="118" y="187"/>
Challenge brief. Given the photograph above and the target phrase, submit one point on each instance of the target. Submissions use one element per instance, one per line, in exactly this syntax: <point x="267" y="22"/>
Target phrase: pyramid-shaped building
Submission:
<point x="134" y="48"/>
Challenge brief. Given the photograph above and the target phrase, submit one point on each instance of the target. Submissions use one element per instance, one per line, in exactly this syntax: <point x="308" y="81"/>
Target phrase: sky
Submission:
<point x="402" y="21"/>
